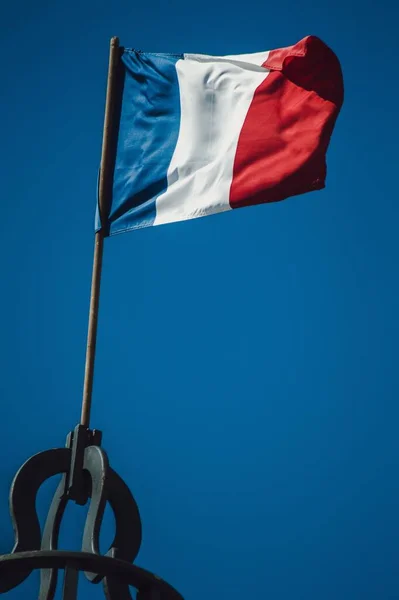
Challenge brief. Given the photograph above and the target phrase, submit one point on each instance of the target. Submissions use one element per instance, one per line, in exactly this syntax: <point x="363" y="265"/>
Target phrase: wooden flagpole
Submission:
<point x="104" y="190"/>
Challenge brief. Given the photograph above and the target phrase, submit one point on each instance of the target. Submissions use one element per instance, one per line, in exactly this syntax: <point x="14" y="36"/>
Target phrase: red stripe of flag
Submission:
<point x="282" y="146"/>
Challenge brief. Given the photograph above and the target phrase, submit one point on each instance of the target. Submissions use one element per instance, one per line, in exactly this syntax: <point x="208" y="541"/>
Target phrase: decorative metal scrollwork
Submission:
<point x="85" y="477"/>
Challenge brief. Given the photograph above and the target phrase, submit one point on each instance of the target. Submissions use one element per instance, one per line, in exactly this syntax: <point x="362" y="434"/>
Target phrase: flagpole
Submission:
<point x="104" y="188"/>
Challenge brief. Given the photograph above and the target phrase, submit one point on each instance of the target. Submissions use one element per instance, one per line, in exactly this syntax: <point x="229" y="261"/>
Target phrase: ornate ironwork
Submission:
<point x="85" y="477"/>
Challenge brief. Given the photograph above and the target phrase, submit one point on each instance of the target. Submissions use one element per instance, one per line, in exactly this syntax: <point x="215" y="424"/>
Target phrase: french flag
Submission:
<point x="202" y="134"/>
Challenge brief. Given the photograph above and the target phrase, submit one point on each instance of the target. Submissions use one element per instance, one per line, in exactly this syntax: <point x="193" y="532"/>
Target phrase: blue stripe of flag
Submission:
<point x="148" y="132"/>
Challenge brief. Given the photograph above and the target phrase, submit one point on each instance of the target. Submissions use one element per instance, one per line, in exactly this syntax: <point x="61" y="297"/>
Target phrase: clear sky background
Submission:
<point x="247" y="370"/>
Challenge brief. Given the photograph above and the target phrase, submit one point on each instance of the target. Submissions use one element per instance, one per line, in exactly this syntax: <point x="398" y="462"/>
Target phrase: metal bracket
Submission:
<point x="85" y="476"/>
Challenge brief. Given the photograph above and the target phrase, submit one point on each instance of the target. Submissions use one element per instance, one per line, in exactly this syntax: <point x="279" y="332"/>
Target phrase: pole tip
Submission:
<point x="115" y="42"/>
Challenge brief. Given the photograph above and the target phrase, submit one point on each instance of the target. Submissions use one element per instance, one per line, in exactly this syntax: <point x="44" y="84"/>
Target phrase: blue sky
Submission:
<point x="246" y="378"/>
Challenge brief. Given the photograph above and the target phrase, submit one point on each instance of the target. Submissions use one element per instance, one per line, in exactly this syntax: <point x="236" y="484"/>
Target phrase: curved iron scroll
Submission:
<point x="85" y="476"/>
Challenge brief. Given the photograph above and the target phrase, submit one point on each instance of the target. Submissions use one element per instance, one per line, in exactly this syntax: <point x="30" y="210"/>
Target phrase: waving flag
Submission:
<point x="203" y="134"/>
